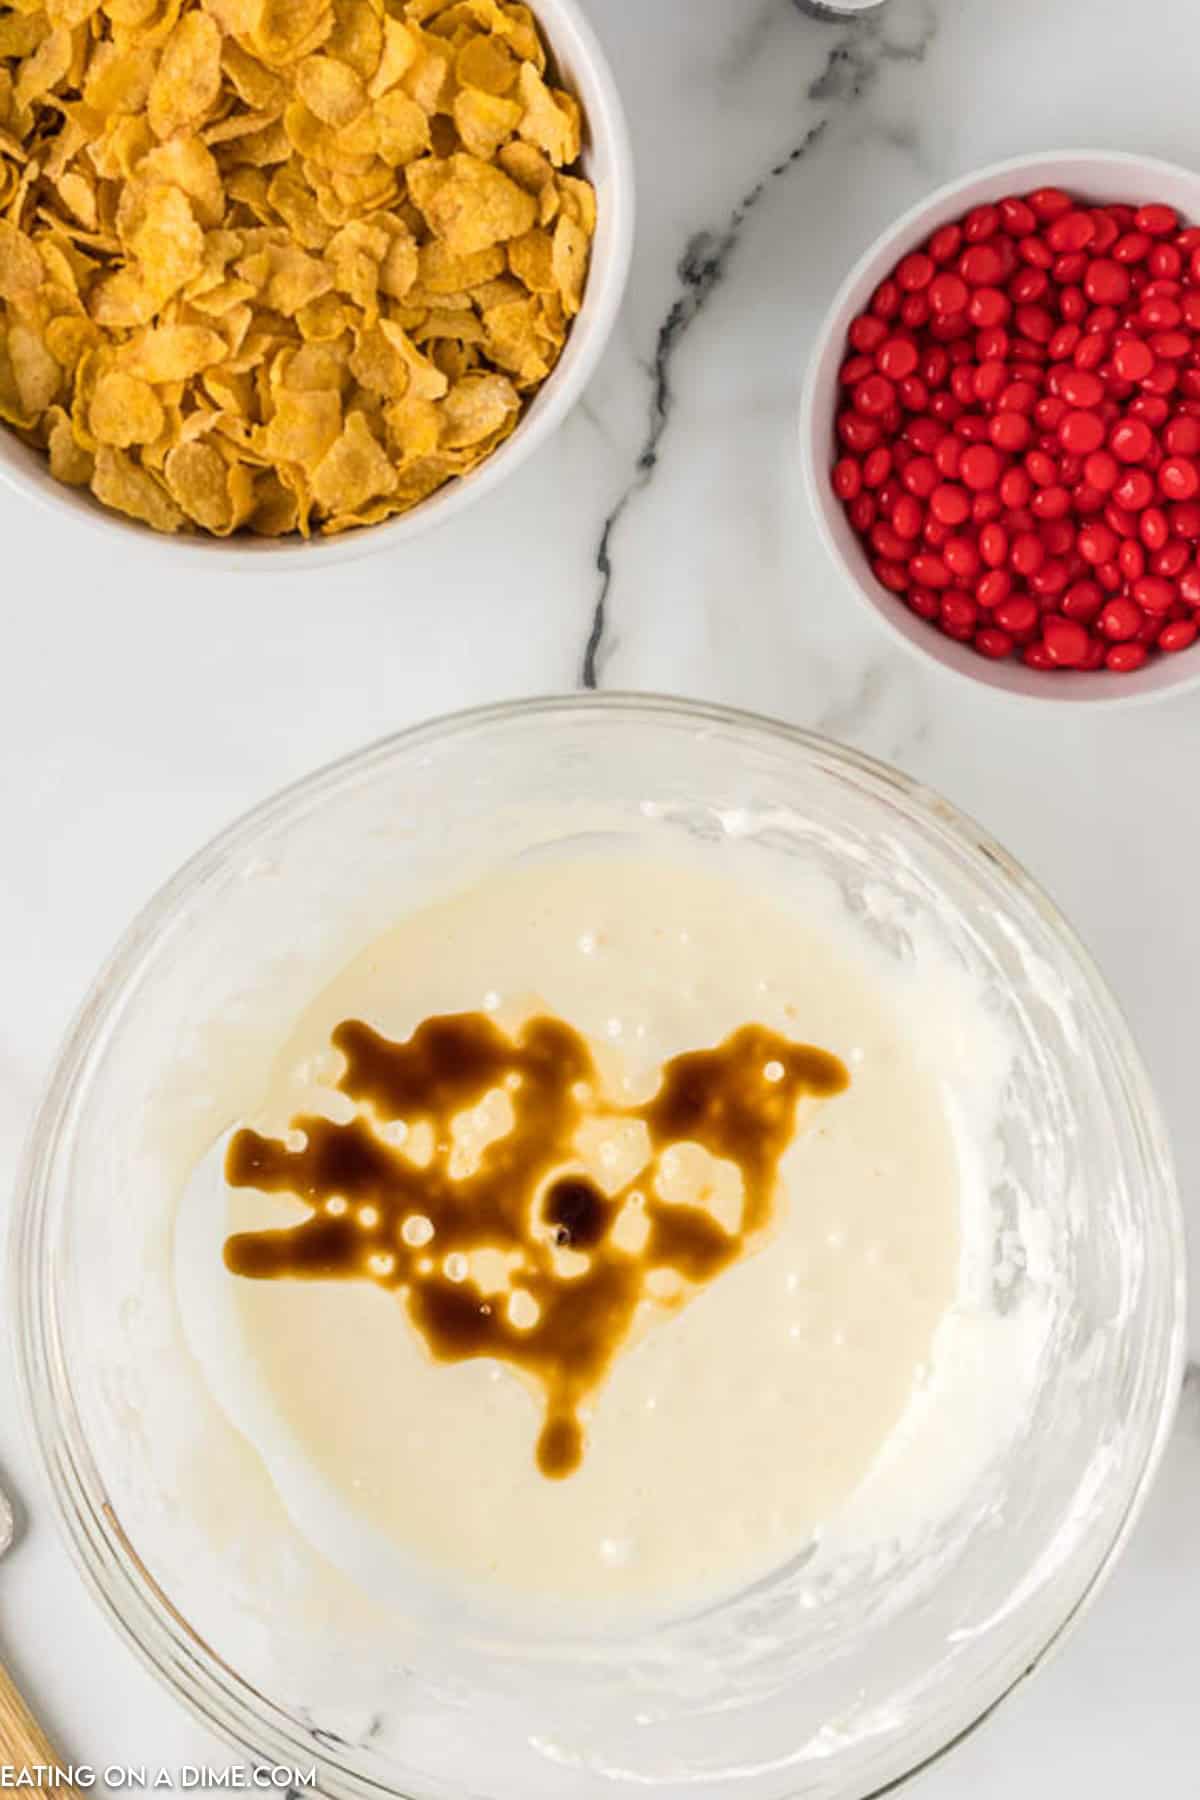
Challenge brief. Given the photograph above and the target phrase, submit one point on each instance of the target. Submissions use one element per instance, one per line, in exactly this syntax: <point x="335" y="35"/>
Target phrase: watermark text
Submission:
<point x="116" y="1777"/>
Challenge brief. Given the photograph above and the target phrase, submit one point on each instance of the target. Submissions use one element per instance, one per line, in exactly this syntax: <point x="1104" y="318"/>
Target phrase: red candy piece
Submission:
<point x="1082" y="601"/>
<point x="1133" y="360"/>
<point x="1134" y="491"/>
<point x="958" y="615"/>
<point x="1157" y="221"/>
<point x="1131" y="440"/>
<point x="1154" y="594"/>
<point x="1010" y="431"/>
<point x="1066" y="641"/>
<point x="1179" y="478"/>
<point x="948" y="294"/>
<point x="915" y="272"/>
<point x="1080" y="388"/>
<point x="1124" y="658"/>
<point x="1081" y="432"/>
<point x="950" y="504"/>
<point x="945" y="242"/>
<point x="1102" y="471"/>
<point x="982" y="266"/>
<point x="1071" y="231"/>
<point x="1106" y="283"/>
<point x="1017" y="615"/>
<point x="1049" y="202"/>
<point x="847" y="478"/>
<point x="1121" y="619"/>
<point x="1182" y="437"/>
<point x="1178" y="635"/>
<point x="875" y="396"/>
<point x="1017" y="217"/>
<point x="897" y="358"/>
<point x="981" y="467"/>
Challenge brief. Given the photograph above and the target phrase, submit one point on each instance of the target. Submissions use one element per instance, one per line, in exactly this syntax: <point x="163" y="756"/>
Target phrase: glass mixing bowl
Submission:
<point x="802" y="1686"/>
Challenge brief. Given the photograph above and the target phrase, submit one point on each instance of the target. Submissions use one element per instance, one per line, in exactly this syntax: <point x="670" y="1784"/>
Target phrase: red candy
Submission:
<point x="1079" y="388"/>
<point x="1154" y="593"/>
<point x="981" y="467"/>
<point x="1179" y="478"/>
<point x="897" y="358"/>
<point x="982" y="266"/>
<point x="1010" y="431"/>
<point x="1066" y="641"/>
<point x="1018" y="432"/>
<point x="914" y="272"/>
<point x="1017" y="217"/>
<point x="1081" y="432"/>
<point x="1178" y="635"/>
<point x="948" y="294"/>
<point x="875" y="395"/>
<point x="1105" y="282"/>
<point x="1120" y="619"/>
<point x="1133" y="491"/>
<point x="1158" y="221"/>
<point x="1131" y="440"/>
<point x="1133" y="360"/>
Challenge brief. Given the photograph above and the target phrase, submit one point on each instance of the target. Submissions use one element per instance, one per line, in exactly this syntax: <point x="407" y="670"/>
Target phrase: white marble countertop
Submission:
<point x="660" y="543"/>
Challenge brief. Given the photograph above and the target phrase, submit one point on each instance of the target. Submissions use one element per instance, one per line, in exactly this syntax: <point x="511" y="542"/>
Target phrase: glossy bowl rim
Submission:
<point x="566" y="28"/>
<point x="129" y="1595"/>
<point x="815" y="442"/>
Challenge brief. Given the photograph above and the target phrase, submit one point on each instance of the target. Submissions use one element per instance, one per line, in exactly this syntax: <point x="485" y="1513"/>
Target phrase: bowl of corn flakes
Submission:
<point x="276" y="271"/>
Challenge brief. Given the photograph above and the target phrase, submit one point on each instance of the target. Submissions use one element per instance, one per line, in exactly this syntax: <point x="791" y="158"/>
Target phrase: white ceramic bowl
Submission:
<point x="608" y="164"/>
<point x="1095" y="175"/>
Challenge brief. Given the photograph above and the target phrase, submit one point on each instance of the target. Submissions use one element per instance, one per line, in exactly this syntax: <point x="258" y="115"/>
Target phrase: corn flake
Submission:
<point x="470" y="204"/>
<point x="168" y="243"/>
<point x="69" y="462"/>
<point x="215" y="494"/>
<point x="124" y="410"/>
<point x="187" y="82"/>
<point x="40" y="73"/>
<point x="20" y="34"/>
<point x="551" y="120"/>
<point x="21" y="271"/>
<point x="171" y="353"/>
<point x="284" y="30"/>
<point x="568" y="261"/>
<point x="353" y="471"/>
<point x="36" y="372"/>
<point x="475" y="408"/>
<point x="357" y="35"/>
<point x="484" y="63"/>
<point x="330" y="89"/>
<point x="119" y="482"/>
<point x="304" y="426"/>
<point x="403" y="130"/>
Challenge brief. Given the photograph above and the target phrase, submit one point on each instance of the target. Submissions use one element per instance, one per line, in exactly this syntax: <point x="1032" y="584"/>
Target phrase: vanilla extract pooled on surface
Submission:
<point x="580" y="1261"/>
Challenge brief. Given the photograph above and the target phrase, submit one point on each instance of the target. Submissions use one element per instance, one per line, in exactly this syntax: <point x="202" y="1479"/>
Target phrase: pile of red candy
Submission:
<point x="1019" y="431"/>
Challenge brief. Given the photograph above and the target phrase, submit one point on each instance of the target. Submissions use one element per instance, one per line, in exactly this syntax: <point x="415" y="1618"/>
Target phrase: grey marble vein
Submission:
<point x="851" y="68"/>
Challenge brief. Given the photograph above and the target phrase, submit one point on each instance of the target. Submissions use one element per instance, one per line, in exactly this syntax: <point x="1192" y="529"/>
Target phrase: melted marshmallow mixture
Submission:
<point x="760" y="1233"/>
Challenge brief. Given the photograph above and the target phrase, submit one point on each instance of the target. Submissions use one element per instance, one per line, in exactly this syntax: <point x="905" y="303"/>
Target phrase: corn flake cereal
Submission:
<point x="280" y="266"/>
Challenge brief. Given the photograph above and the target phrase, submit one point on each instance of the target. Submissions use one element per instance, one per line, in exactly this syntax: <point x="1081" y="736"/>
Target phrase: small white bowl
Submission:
<point x="1095" y="175"/>
<point x="608" y="164"/>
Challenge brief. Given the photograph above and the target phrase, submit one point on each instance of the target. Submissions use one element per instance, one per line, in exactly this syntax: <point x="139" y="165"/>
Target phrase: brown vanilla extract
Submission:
<point x="581" y="1261"/>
